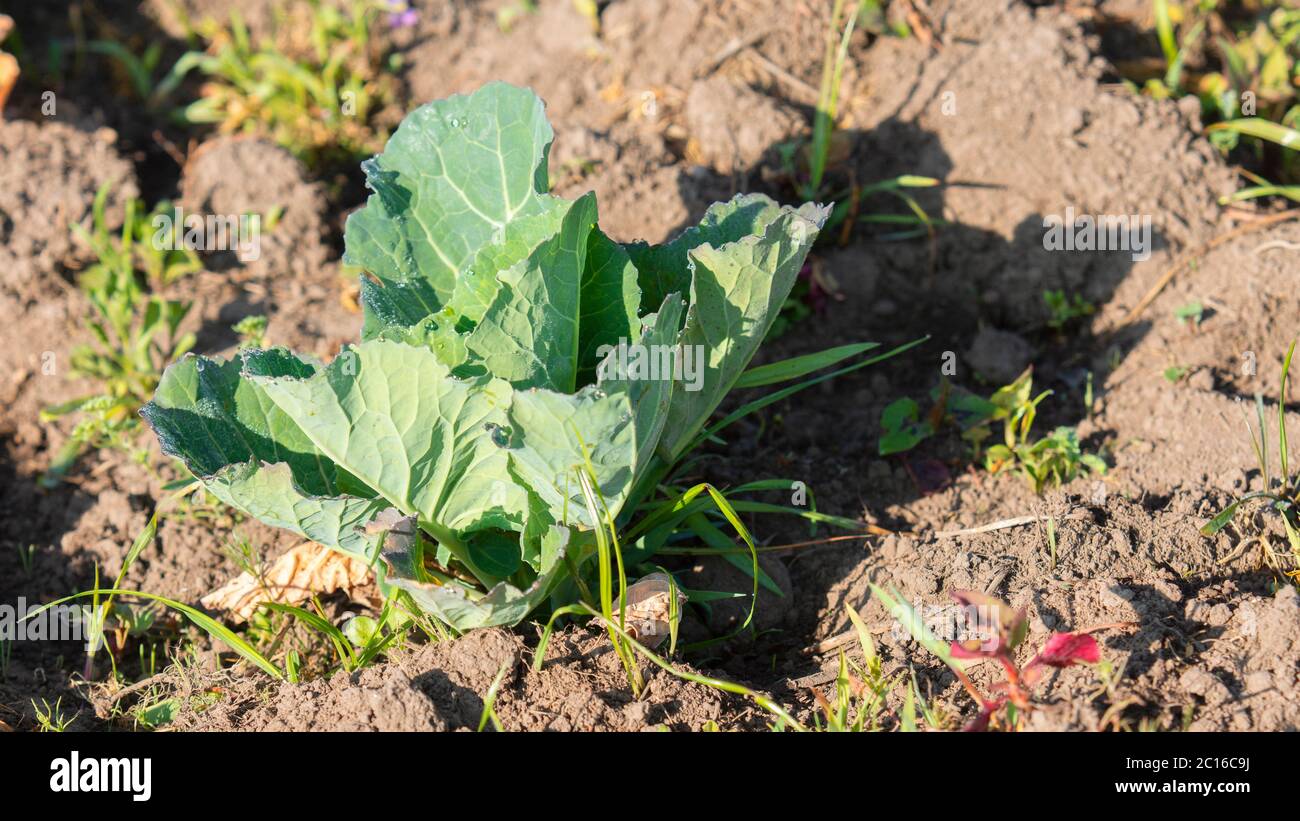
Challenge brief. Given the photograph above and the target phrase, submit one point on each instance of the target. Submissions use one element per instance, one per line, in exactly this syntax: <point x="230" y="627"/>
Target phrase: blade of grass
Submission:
<point x="798" y="366"/>
<point x="1221" y="520"/>
<point x="203" y="621"/>
<point x="720" y="544"/>
<point x="1263" y="440"/>
<point x="733" y="519"/>
<point x="864" y="636"/>
<point x="708" y="681"/>
<point x="1291" y="192"/>
<point x="342" y="647"/>
<point x="1165" y="31"/>
<point x="1051" y="539"/>
<point x="827" y="99"/>
<point x="776" y="396"/>
<point x="1263" y="129"/>
<point x="490" y="700"/>
<point x="747" y="506"/>
<point x="1281" y="419"/>
<point x="915" y="626"/>
<point x="604" y="532"/>
<point x="907" y="719"/>
<point x="1174" y="74"/>
<point x="901" y="181"/>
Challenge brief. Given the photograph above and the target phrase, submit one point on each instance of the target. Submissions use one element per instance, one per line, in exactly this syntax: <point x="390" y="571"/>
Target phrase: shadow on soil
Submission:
<point x="962" y="286"/>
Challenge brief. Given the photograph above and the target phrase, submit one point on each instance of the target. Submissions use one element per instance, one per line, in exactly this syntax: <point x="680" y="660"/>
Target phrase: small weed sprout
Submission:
<point x="509" y="14"/>
<point x="490" y="700"/>
<point x="50" y="718"/>
<point x="1051" y="540"/>
<point x="901" y="427"/>
<point x="1055" y="459"/>
<point x="1052" y="460"/>
<point x="1280" y="493"/>
<point x="251" y="331"/>
<point x="1064" y="310"/>
<point x="860" y="689"/>
<point x="26" y="557"/>
<point x="137" y="332"/>
<point x="1190" y="314"/>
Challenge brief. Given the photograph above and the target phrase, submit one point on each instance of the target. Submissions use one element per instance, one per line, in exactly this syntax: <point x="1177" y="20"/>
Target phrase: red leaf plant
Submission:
<point x="1003" y="628"/>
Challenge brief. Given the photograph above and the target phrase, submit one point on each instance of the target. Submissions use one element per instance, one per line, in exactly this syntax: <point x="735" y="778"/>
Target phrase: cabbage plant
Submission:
<point x="492" y="379"/>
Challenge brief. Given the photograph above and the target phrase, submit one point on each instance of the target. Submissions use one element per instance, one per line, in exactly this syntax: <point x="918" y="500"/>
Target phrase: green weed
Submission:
<point x="838" y="34"/>
<point x="1053" y="460"/>
<point x="997" y="630"/>
<point x="26" y="557"/>
<point x="1280" y="493"/>
<point x="1064" y="310"/>
<point x="1191" y="313"/>
<point x="318" y="86"/>
<point x="861" y="690"/>
<point x="1049" y="461"/>
<point x="142" y="72"/>
<point x="136" y="329"/>
<point x="1245" y="82"/>
<point x="827" y="146"/>
<point x="251" y="331"/>
<point x="490" y="700"/>
<point x="50" y="718"/>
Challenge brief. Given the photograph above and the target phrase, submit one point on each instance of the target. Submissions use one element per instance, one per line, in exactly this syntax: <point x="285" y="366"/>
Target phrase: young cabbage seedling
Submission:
<point x="515" y="362"/>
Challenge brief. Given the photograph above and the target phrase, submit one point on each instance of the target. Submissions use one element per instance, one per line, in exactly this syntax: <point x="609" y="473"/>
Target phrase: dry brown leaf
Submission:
<point x="649" y="608"/>
<point x="350" y="297"/>
<point x="304" y="571"/>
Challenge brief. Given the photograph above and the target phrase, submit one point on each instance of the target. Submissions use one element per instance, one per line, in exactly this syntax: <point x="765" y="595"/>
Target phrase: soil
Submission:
<point x="581" y="687"/>
<point x="660" y="113"/>
<point x="51" y="174"/>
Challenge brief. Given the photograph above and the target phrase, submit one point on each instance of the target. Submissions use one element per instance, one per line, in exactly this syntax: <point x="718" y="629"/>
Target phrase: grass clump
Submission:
<point x="1280" y="492"/>
<point x="812" y="164"/>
